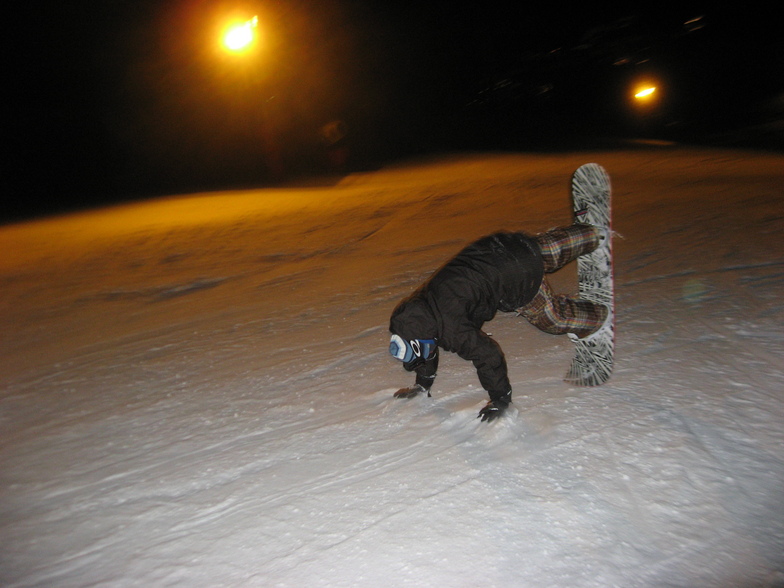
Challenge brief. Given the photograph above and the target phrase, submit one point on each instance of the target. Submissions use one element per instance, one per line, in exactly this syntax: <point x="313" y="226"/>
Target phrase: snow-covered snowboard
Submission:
<point x="591" y="195"/>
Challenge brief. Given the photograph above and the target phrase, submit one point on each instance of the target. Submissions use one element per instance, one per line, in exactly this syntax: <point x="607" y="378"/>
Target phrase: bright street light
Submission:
<point x="646" y="97"/>
<point x="240" y="37"/>
<point x="645" y="93"/>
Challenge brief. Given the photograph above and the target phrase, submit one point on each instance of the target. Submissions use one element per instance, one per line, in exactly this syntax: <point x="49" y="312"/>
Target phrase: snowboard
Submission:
<point x="591" y="198"/>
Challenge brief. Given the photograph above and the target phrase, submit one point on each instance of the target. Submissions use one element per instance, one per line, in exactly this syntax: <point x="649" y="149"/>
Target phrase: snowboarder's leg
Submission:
<point x="559" y="314"/>
<point x="565" y="244"/>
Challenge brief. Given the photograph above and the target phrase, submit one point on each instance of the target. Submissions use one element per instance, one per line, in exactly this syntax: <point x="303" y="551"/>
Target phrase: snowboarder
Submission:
<point x="501" y="272"/>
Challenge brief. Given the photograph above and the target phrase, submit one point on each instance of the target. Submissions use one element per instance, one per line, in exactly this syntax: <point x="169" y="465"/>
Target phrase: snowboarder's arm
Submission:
<point x="425" y="376"/>
<point x="488" y="359"/>
<point x="426" y="373"/>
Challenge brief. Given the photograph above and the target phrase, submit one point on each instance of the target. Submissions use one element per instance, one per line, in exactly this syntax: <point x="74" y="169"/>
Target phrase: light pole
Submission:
<point x="240" y="39"/>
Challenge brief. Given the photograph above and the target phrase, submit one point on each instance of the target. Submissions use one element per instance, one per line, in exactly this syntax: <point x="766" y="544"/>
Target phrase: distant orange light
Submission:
<point x="645" y="93"/>
<point x="240" y="37"/>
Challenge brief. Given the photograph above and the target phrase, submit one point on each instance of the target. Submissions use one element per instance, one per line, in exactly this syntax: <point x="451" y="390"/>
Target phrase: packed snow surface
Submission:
<point x="196" y="390"/>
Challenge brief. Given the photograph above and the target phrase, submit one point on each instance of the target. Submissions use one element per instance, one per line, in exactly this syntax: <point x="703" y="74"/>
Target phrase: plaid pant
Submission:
<point x="559" y="314"/>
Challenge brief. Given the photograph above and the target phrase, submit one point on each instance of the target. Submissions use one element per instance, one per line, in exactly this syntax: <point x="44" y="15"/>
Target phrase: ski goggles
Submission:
<point x="408" y="351"/>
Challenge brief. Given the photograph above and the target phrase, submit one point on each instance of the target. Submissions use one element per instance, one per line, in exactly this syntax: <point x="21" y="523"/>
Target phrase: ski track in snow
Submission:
<point x="206" y="401"/>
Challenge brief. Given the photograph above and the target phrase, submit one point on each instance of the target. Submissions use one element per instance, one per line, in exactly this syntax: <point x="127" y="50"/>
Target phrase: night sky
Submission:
<point x="112" y="100"/>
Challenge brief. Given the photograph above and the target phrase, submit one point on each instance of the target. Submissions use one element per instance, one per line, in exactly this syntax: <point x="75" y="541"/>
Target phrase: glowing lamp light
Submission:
<point x="241" y="36"/>
<point x="645" y="93"/>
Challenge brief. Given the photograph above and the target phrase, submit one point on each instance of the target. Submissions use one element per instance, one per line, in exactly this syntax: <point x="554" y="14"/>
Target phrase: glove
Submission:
<point x="411" y="392"/>
<point x="493" y="410"/>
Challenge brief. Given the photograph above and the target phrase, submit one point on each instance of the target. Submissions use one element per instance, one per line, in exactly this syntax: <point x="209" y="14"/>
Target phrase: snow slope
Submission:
<point x="196" y="390"/>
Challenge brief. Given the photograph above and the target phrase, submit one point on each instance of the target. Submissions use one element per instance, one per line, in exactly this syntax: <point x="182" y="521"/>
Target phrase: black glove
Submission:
<point x="411" y="392"/>
<point x="493" y="410"/>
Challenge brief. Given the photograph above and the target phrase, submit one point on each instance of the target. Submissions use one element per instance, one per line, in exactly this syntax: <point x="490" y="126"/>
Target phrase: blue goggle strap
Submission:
<point x="406" y="351"/>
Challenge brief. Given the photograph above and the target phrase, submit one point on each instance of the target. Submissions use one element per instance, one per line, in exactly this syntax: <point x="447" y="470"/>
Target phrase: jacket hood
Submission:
<point x="414" y="319"/>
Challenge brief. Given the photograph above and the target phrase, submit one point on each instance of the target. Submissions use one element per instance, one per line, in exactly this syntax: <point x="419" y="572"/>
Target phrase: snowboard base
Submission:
<point x="595" y="354"/>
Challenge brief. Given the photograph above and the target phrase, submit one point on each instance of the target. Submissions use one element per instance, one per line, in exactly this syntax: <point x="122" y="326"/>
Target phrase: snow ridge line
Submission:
<point x="684" y="273"/>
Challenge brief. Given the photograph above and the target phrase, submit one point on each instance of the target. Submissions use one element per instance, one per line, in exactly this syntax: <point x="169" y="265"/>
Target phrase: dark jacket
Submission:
<point x="499" y="272"/>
